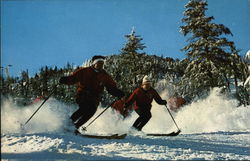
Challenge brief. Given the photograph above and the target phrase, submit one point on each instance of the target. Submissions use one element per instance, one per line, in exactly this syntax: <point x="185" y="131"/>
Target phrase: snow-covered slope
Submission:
<point x="210" y="146"/>
<point x="213" y="128"/>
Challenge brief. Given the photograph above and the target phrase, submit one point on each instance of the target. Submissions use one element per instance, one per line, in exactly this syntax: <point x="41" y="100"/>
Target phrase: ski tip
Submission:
<point x="76" y="132"/>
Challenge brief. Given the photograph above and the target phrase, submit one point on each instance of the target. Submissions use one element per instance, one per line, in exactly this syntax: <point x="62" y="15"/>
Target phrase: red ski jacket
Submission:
<point x="143" y="99"/>
<point x="91" y="84"/>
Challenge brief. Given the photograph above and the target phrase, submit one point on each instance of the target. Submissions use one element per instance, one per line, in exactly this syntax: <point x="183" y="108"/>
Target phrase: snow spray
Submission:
<point x="212" y="114"/>
<point x="52" y="117"/>
<point x="215" y="113"/>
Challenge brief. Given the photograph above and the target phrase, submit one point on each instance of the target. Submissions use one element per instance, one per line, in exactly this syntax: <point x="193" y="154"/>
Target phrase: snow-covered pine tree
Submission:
<point x="247" y="62"/>
<point x="25" y="83"/>
<point x="132" y="57"/>
<point x="210" y="54"/>
<point x="127" y="68"/>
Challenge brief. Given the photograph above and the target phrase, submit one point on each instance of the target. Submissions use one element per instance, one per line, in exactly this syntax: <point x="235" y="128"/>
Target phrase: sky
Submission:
<point x="38" y="33"/>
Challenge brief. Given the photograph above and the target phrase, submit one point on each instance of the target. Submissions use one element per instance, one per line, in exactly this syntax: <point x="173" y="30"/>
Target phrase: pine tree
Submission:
<point x="127" y="70"/>
<point x="210" y="54"/>
<point x="132" y="56"/>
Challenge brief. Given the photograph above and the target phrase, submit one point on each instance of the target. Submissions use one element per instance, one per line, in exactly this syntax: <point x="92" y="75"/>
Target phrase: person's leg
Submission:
<point x="87" y="111"/>
<point x="76" y="115"/>
<point x="137" y="122"/>
<point x="143" y="119"/>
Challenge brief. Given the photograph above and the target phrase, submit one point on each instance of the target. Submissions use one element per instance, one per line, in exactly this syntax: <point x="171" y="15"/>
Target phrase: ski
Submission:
<point x="169" y="134"/>
<point x="113" y="136"/>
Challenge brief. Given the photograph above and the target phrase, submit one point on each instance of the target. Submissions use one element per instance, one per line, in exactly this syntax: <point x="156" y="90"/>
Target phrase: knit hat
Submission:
<point x="97" y="58"/>
<point x="146" y="79"/>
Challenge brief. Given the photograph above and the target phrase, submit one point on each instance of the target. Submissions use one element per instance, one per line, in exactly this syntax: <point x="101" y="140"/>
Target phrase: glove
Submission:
<point x="125" y="109"/>
<point x="164" y="102"/>
<point x="63" y="80"/>
<point x="125" y="106"/>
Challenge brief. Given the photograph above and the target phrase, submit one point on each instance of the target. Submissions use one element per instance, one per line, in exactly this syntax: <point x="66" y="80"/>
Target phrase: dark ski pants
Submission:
<point x="142" y="120"/>
<point x="83" y="114"/>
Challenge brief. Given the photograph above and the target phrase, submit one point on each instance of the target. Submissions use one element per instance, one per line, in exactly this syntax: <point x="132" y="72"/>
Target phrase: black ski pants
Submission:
<point x="83" y="114"/>
<point x="144" y="116"/>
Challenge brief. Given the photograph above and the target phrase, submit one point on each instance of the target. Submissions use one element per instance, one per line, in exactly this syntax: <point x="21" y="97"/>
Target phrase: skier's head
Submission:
<point x="146" y="83"/>
<point x="98" y="61"/>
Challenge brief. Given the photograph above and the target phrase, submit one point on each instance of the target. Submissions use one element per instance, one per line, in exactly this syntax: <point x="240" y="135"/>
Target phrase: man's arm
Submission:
<point x="112" y="88"/>
<point x="71" y="79"/>
<point x="158" y="98"/>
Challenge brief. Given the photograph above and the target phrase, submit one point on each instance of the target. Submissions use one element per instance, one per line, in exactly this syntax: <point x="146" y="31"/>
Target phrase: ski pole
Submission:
<point x="39" y="107"/>
<point x="172" y="118"/>
<point x="85" y="128"/>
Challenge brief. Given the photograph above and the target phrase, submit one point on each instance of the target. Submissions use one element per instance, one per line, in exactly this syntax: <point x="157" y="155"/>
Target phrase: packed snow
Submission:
<point x="212" y="129"/>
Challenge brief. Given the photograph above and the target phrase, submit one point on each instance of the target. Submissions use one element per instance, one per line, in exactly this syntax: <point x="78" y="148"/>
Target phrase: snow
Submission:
<point x="247" y="82"/>
<point x="247" y="56"/>
<point x="212" y="129"/>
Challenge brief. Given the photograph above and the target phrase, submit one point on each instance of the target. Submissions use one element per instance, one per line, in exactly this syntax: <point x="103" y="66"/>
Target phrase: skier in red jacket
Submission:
<point x="91" y="82"/>
<point x="143" y="97"/>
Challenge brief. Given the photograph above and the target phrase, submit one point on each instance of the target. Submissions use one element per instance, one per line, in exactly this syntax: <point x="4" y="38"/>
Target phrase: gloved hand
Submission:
<point x="125" y="109"/>
<point x="125" y="106"/>
<point x="63" y="80"/>
<point x="164" y="102"/>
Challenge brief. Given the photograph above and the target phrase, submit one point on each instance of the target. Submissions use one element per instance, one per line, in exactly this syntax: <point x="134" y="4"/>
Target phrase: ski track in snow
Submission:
<point x="212" y="129"/>
<point x="208" y="146"/>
